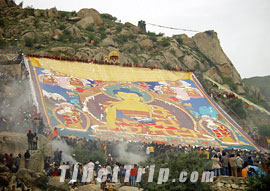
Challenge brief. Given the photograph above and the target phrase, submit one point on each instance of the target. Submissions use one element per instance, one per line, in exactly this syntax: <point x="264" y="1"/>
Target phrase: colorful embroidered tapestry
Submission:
<point x="113" y="102"/>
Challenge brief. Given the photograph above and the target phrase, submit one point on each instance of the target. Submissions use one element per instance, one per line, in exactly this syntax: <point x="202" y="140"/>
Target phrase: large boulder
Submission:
<point x="65" y="50"/>
<point x="135" y="30"/>
<point x="30" y="177"/>
<point x="146" y="44"/>
<point x="7" y="3"/>
<point x="53" y="13"/>
<point x="15" y="143"/>
<point x="54" y="182"/>
<point x="129" y="188"/>
<point x="74" y="32"/>
<point x="36" y="161"/>
<point x="208" y="44"/>
<point x="86" y="22"/>
<point x="91" y="13"/>
<point x="89" y="187"/>
<point x="108" y="42"/>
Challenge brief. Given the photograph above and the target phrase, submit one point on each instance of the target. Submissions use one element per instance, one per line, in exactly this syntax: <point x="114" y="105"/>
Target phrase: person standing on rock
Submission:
<point x="35" y="139"/>
<point x="27" y="158"/>
<point x="17" y="162"/>
<point x="30" y="137"/>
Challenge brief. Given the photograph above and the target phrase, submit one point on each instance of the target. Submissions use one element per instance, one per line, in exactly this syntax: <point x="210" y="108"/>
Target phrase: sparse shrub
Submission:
<point x="28" y="42"/>
<point x="65" y="36"/>
<point x="238" y="107"/>
<point x="3" y="22"/>
<point x="103" y="35"/>
<point x="152" y="36"/>
<point x="29" y="11"/>
<point x="73" y="13"/>
<point x="83" y="155"/>
<point x="90" y="28"/>
<point x="172" y="51"/>
<point x="210" y="33"/>
<point x="64" y="14"/>
<point x="179" y="40"/>
<point x="108" y="16"/>
<point x="119" y="28"/>
<point x="165" y="42"/>
<point x="230" y="82"/>
<point x="101" y="29"/>
<point x="134" y="59"/>
<point x="36" y="22"/>
<point x="121" y="39"/>
<point x="160" y="34"/>
<point x="61" y="26"/>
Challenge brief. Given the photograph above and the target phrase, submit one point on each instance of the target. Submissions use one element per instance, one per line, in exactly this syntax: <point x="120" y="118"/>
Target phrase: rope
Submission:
<point x="173" y="28"/>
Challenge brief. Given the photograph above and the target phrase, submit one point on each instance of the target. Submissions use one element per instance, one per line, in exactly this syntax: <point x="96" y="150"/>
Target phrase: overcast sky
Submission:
<point x="243" y="26"/>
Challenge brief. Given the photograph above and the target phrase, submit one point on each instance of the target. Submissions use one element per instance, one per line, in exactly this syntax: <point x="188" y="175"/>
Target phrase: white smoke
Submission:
<point x="128" y="157"/>
<point x="61" y="145"/>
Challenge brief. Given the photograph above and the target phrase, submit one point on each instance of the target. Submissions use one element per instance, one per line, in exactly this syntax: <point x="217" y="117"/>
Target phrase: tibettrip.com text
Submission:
<point x="163" y="176"/>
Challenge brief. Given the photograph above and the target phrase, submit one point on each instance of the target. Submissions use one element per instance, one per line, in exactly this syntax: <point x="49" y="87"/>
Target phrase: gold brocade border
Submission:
<point x="108" y="72"/>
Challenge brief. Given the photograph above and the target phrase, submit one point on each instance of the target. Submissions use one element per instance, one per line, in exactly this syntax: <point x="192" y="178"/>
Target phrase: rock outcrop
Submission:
<point x="226" y="183"/>
<point x="94" y="14"/>
<point x="7" y="3"/>
<point x="208" y="44"/>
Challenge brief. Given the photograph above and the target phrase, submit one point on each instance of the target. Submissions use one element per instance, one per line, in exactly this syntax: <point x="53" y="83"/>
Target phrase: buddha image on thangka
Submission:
<point x="132" y="109"/>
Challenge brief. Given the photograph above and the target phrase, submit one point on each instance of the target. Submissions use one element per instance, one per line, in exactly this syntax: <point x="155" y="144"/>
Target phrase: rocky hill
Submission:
<point x="88" y="34"/>
<point x="260" y="85"/>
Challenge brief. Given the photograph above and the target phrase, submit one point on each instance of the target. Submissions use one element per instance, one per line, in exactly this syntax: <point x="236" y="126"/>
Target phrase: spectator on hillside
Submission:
<point x="109" y="159"/>
<point x="18" y="162"/>
<point x="233" y="165"/>
<point x="240" y="163"/>
<point x="216" y="167"/>
<point x="27" y="158"/>
<point x="11" y="162"/>
<point x="30" y="137"/>
<point x="133" y="175"/>
<point x="35" y="140"/>
<point x="225" y="165"/>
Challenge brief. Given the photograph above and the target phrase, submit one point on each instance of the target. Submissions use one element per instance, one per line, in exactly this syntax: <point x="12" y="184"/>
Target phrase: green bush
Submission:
<point x="29" y="42"/>
<point x="165" y="42"/>
<point x="61" y="26"/>
<point x="93" y="37"/>
<point x="176" y="163"/>
<point x="229" y="82"/>
<point x="64" y="14"/>
<point x="238" y="107"/>
<point x="90" y="28"/>
<point x="152" y="36"/>
<point x="66" y="36"/>
<point x="121" y="39"/>
<point x="3" y="22"/>
<point x="264" y="130"/>
<point x="179" y="40"/>
<point x="256" y="183"/>
<point x="172" y="51"/>
<point x="103" y="35"/>
<point x="119" y="28"/>
<point x="108" y="16"/>
<point x="134" y="59"/>
<point x="84" y="155"/>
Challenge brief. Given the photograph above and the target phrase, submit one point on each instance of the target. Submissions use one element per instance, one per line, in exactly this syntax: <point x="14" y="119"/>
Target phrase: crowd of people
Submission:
<point x="226" y="162"/>
<point x="105" y="62"/>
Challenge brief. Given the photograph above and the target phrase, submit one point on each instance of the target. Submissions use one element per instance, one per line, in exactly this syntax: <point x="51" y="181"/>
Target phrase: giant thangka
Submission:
<point x="139" y="104"/>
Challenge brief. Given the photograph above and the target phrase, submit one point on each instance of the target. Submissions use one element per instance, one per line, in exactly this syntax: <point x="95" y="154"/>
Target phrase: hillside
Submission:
<point x="261" y="83"/>
<point x="88" y="34"/>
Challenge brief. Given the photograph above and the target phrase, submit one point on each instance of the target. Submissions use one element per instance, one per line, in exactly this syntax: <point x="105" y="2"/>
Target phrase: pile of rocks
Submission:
<point x="226" y="183"/>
